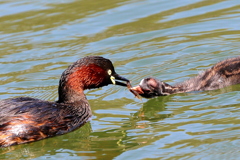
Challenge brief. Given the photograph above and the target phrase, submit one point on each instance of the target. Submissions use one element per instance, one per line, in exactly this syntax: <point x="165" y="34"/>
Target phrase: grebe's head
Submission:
<point x="86" y="73"/>
<point x="91" y="72"/>
<point x="151" y="87"/>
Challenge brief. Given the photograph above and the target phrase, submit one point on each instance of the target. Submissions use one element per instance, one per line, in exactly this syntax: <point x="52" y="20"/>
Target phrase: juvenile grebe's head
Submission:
<point x="151" y="87"/>
<point x="86" y="73"/>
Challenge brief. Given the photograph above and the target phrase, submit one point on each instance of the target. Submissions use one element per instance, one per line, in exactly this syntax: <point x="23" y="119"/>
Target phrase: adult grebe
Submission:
<point x="26" y="119"/>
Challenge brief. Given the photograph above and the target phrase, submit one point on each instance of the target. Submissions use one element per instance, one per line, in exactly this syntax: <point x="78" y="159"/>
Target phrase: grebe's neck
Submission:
<point x="70" y="89"/>
<point x="69" y="95"/>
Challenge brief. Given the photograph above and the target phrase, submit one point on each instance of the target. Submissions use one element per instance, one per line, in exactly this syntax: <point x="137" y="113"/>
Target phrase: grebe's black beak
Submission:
<point x="115" y="77"/>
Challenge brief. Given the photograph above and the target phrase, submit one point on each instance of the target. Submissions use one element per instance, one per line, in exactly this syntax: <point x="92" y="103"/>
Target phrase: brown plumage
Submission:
<point x="222" y="74"/>
<point x="27" y="119"/>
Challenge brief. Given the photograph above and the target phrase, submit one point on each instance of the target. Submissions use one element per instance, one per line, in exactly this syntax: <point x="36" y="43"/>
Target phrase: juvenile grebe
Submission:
<point x="27" y="119"/>
<point x="222" y="74"/>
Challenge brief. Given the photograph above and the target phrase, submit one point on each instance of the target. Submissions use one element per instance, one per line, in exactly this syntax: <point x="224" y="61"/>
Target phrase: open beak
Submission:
<point x="115" y="77"/>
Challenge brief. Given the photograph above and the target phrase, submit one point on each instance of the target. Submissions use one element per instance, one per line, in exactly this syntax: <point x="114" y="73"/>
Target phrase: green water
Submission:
<point x="170" y="40"/>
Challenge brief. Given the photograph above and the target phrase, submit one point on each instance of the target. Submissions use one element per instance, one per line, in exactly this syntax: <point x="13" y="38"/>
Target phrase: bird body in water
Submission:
<point x="222" y="74"/>
<point x="26" y="119"/>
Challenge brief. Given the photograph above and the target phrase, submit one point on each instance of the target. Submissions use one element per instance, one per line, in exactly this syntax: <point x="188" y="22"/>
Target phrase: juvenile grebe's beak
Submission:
<point x="128" y="84"/>
<point x="115" y="77"/>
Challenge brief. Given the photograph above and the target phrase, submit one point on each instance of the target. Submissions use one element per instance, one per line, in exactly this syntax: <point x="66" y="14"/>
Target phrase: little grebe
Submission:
<point x="222" y="74"/>
<point x="27" y="119"/>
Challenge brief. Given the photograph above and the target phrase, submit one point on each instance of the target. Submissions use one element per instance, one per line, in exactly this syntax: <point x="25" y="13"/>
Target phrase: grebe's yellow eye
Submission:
<point x="109" y="72"/>
<point x="111" y="77"/>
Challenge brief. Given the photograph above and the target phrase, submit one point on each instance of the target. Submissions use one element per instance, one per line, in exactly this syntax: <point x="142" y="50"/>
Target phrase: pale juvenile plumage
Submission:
<point x="222" y="74"/>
